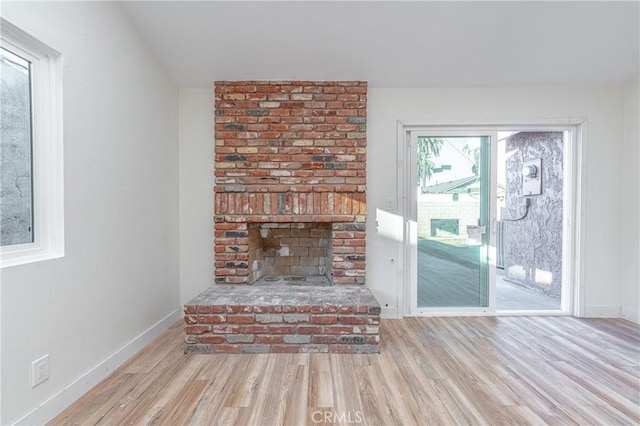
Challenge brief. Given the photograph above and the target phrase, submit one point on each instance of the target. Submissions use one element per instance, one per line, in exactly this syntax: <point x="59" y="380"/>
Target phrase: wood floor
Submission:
<point x="441" y="371"/>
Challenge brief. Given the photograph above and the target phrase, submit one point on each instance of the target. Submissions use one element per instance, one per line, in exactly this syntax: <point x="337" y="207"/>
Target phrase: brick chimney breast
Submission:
<point x="290" y="168"/>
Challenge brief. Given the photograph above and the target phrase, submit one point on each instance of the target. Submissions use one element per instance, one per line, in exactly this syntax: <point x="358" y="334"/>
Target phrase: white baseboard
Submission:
<point x="633" y="316"/>
<point x="53" y="406"/>
<point x="602" y="312"/>
<point x="389" y="313"/>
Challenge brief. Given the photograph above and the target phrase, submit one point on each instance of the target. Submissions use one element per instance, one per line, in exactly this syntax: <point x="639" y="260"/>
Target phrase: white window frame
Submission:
<point x="47" y="152"/>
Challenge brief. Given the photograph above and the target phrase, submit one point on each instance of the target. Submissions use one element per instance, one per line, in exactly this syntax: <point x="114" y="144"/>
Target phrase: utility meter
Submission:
<point x="532" y="177"/>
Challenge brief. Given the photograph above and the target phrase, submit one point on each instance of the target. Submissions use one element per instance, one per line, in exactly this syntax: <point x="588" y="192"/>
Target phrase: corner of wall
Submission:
<point x="196" y="180"/>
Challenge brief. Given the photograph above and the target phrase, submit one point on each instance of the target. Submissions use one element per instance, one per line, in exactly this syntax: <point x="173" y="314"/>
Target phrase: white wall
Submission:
<point x="631" y="204"/>
<point x="601" y="106"/>
<point x="119" y="278"/>
<point x="196" y="191"/>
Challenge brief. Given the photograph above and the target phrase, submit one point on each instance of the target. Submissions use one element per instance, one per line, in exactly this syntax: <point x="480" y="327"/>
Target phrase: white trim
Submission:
<point x="402" y="207"/>
<point x="602" y="312"/>
<point x="578" y="228"/>
<point x="476" y="125"/>
<point x="486" y="313"/>
<point x="53" y="406"/>
<point x="573" y="285"/>
<point x="47" y="150"/>
<point x="633" y="316"/>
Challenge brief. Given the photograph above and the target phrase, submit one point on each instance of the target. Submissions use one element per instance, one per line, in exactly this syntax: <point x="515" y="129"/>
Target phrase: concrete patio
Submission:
<point x="448" y="277"/>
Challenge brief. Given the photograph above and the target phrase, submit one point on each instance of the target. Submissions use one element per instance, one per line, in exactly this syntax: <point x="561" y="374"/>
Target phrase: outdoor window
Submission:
<point x="16" y="121"/>
<point x="31" y="204"/>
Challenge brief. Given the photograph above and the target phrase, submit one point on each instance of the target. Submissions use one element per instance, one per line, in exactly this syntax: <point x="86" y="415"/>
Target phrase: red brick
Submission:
<point x="267" y="309"/>
<point x="226" y="348"/>
<point x="211" y="319"/>
<point x="330" y="309"/>
<point x="240" y="319"/>
<point x="281" y="329"/>
<point x="324" y="339"/>
<point x="340" y="349"/>
<point x="352" y="319"/>
<point x="190" y="319"/>
<point x="324" y="319"/>
<point x="234" y="309"/>
<point x="197" y="329"/>
<point x="204" y="309"/>
<point x="360" y="309"/>
<point x="338" y="329"/>
<point x="209" y="338"/>
<point x="316" y="309"/>
<point x="268" y="89"/>
<point x="253" y="329"/>
<point x="357" y="90"/>
<point x="281" y="349"/>
<point x="268" y="339"/>
<point x="225" y="329"/>
<point x="309" y="329"/>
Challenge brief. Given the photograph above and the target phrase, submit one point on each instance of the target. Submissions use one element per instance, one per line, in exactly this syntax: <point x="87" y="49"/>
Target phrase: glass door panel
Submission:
<point x="451" y="230"/>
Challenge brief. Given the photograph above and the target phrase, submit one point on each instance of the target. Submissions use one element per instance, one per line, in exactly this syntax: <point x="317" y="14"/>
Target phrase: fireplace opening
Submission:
<point x="291" y="253"/>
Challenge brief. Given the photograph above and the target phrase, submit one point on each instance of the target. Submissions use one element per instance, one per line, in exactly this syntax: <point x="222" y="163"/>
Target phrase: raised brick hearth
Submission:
<point x="283" y="317"/>
<point x="290" y="152"/>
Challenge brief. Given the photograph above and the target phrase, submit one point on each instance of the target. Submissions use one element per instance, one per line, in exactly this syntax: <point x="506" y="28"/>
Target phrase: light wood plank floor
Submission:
<point x="441" y="371"/>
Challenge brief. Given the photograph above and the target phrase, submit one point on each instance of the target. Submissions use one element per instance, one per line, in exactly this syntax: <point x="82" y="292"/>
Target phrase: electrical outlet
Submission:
<point x="39" y="370"/>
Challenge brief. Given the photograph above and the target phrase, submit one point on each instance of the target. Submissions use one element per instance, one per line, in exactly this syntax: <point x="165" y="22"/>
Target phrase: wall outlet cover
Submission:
<point x="39" y="370"/>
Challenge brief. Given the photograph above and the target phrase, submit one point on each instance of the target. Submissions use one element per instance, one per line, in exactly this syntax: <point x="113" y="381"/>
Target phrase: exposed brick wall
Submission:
<point x="290" y="151"/>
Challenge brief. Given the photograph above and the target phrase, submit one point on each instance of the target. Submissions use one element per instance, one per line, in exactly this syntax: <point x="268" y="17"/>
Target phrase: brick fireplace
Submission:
<point x="290" y="212"/>
<point x="290" y="166"/>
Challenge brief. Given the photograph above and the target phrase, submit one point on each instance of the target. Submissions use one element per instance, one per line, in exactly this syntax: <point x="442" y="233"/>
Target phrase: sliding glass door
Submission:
<point x="488" y="220"/>
<point x="449" y="226"/>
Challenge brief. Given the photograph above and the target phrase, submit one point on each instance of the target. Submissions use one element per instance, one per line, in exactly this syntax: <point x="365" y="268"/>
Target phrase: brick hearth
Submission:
<point x="283" y="318"/>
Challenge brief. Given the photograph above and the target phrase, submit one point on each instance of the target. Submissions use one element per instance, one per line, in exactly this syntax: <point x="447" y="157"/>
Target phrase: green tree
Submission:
<point x="428" y="148"/>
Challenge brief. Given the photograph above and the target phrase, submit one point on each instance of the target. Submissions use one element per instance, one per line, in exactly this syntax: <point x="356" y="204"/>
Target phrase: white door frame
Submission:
<point x="573" y="226"/>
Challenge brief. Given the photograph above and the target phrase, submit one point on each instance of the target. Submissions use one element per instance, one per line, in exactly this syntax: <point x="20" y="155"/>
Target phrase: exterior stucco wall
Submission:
<point x="533" y="245"/>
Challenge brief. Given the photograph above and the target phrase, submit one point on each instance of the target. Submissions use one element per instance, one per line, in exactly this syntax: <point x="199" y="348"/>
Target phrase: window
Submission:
<point x="16" y="226"/>
<point x="31" y="203"/>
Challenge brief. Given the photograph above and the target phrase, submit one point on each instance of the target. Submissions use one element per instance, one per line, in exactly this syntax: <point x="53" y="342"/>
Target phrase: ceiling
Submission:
<point x="393" y="43"/>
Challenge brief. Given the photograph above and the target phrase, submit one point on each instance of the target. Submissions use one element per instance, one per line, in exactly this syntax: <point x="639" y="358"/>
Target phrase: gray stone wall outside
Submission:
<point x="533" y="246"/>
<point x="16" y="226"/>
